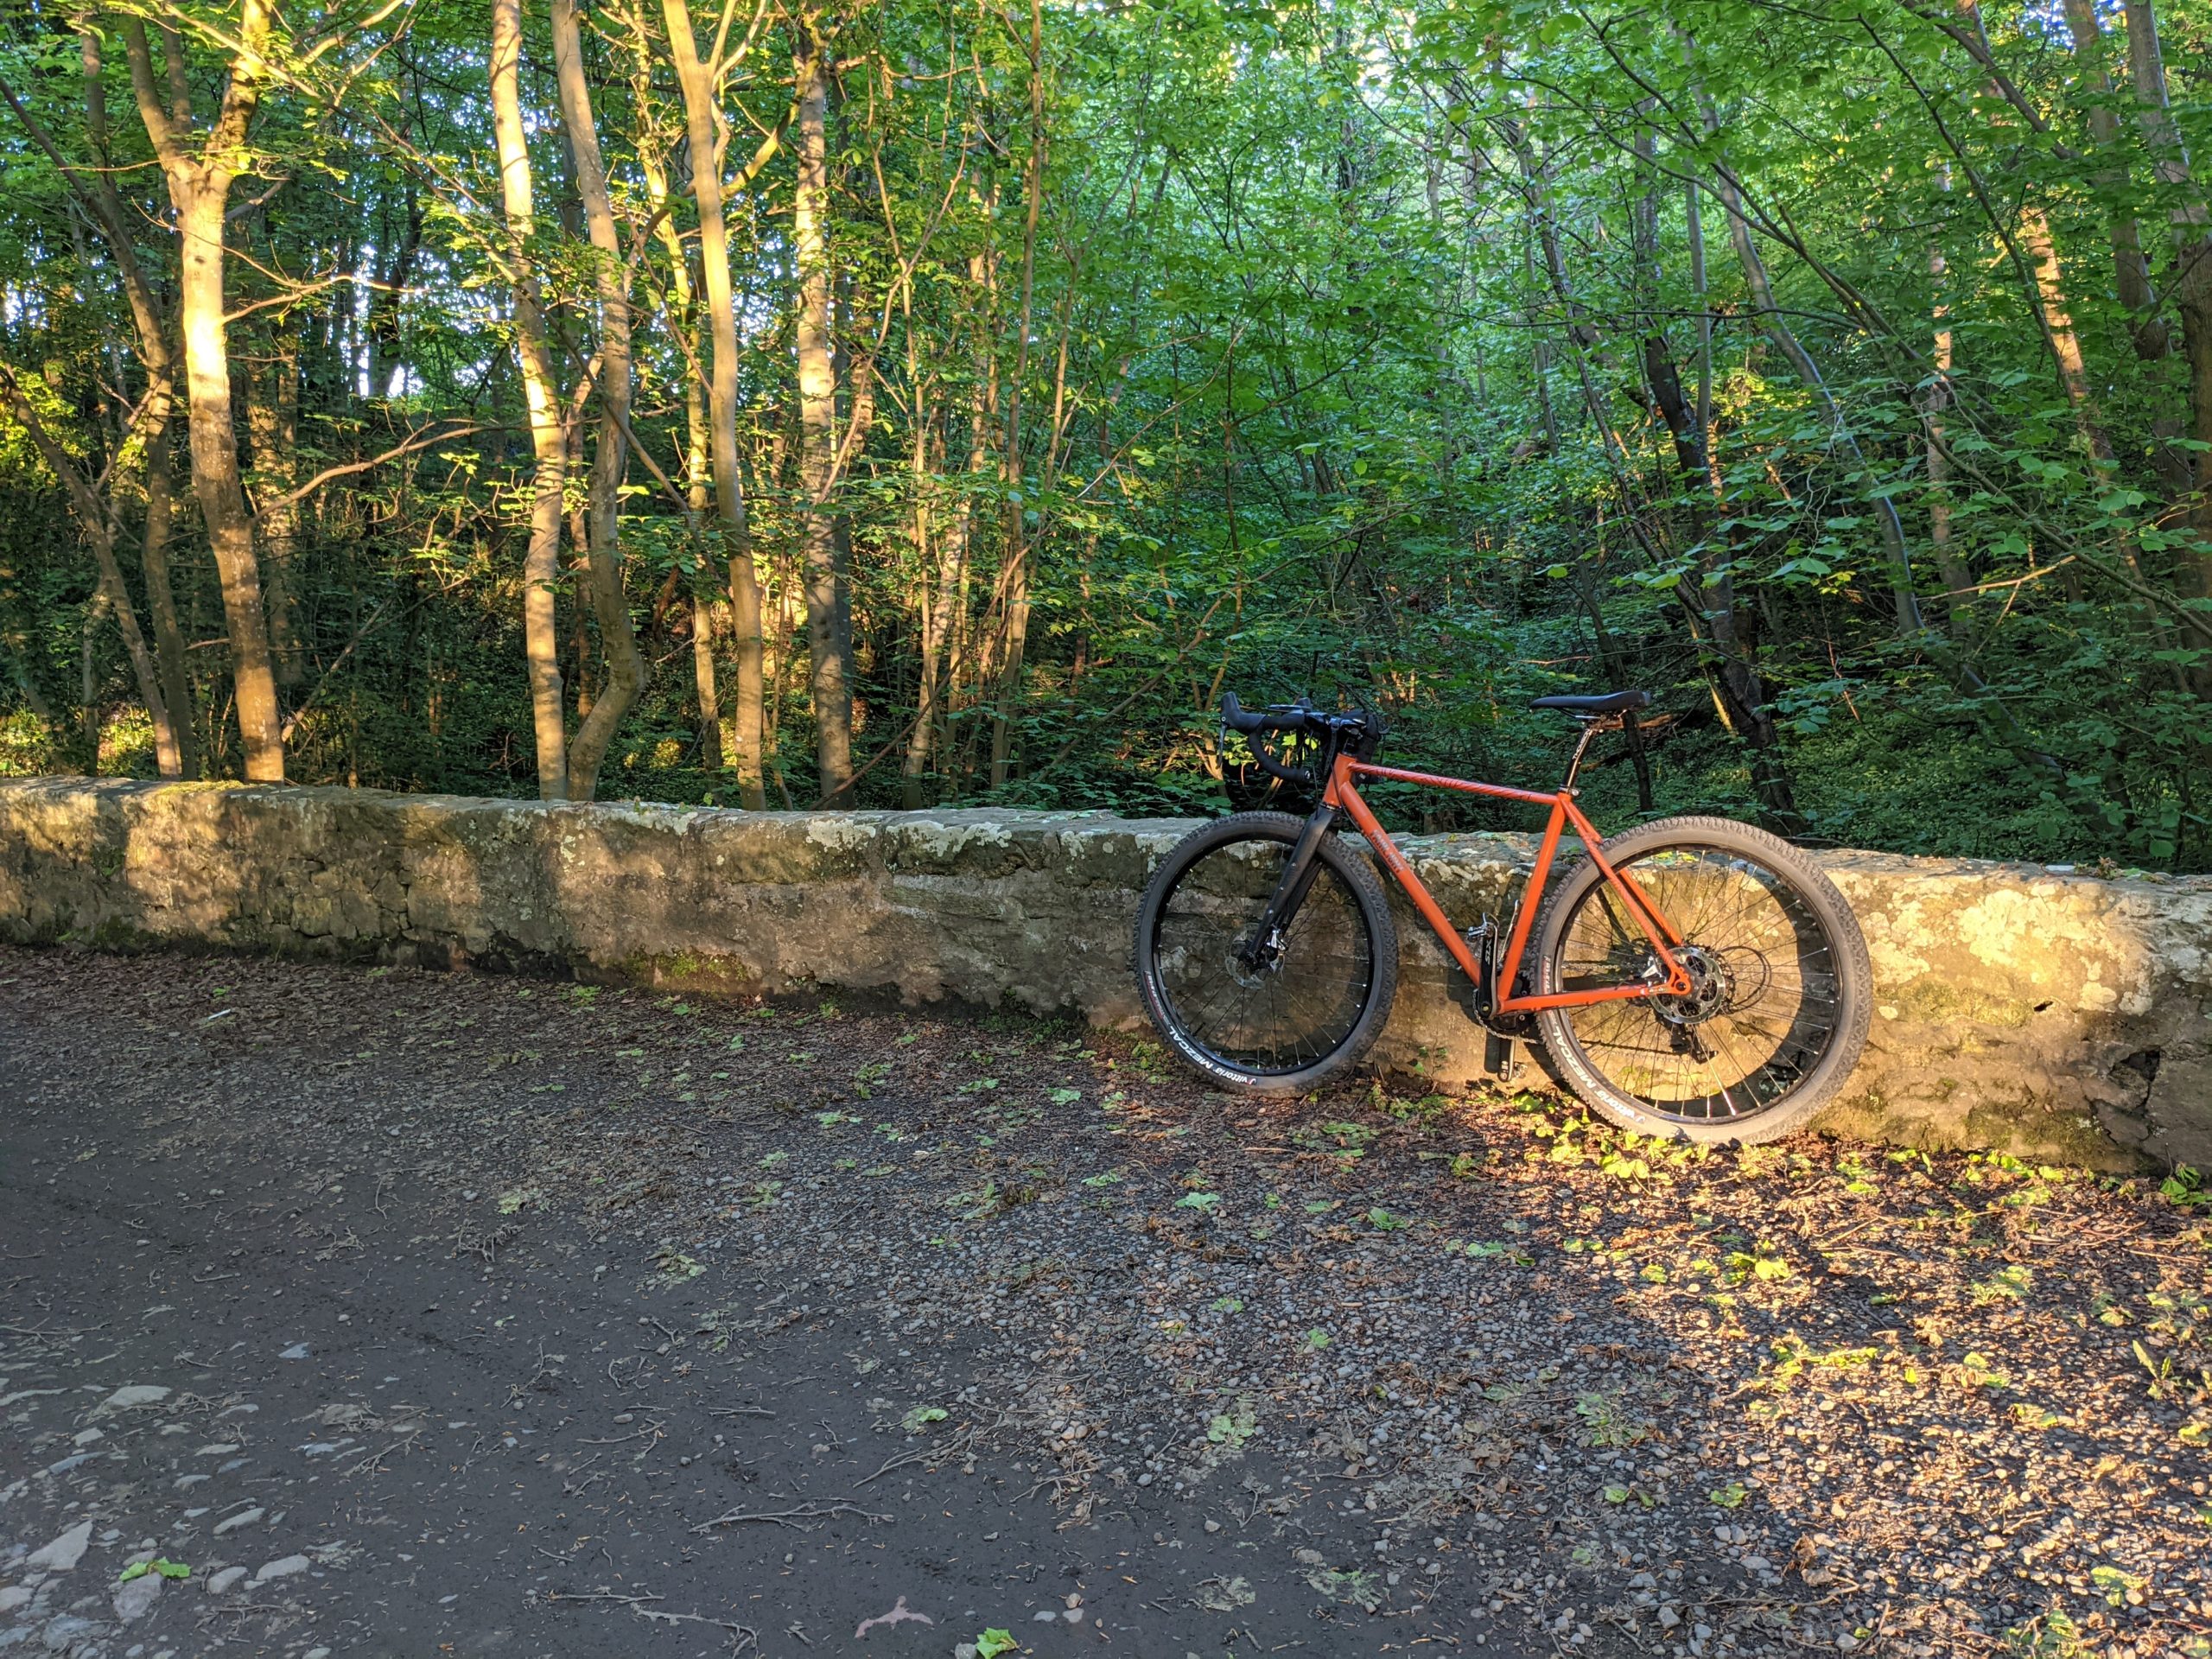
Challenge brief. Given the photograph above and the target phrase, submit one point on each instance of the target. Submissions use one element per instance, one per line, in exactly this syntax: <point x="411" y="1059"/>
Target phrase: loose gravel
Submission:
<point x="797" y="1327"/>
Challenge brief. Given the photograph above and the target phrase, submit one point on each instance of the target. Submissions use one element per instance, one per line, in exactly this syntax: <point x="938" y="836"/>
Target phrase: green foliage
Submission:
<point x="1346" y="368"/>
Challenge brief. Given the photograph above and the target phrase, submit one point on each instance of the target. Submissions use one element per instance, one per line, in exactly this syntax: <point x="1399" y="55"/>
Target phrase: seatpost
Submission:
<point x="1574" y="763"/>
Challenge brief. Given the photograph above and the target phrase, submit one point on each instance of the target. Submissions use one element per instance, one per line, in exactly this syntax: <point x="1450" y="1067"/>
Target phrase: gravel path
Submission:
<point x="418" y="1315"/>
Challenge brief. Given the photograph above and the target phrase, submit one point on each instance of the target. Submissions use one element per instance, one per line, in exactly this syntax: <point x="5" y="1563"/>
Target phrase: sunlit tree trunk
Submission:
<point x="199" y="179"/>
<point x="110" y="596"/>
<point x="542" y="563"/>
<point x="1018" y="552"/>
<point x="626" y="668"/>
<point x="828" y="629"/>
<point x="2131" y="272"/>
<point x="174" y="743"/>
<point x="699" y="82"/>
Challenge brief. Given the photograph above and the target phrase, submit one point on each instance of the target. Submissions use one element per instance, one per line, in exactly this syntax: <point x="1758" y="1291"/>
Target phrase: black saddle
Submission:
<point x="1613" y="702"/>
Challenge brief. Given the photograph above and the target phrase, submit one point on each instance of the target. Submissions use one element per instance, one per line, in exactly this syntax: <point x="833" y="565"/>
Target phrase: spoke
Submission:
<point x="1720" y="902"/>
<point x="1285" y="1014"/>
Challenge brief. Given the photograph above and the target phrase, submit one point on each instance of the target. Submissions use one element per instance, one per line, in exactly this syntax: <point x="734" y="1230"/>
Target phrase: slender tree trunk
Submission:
<point x="161" y="603"/>
<point x="700" y="83"/>
<point x="1958" y="580"/>
<point x="199" y="188"/>
<point x="1898" y="551"/>
<point x="684" y="325"/>
<point x="627" y="668"/>
<point x="2192" y="286"/>
<point x="1718" y="627"/>
<point x="828" y="633"/>
<point x="110" y="596"/>
<point x="1017" y="542"/>
<point x="96" y="187"/>
<point x="2131" y="271"/>
<point x="542" y="563"/>
<point x="268" y="402"/>
<point x="939" y="589"/>
<point x="395" y="269"/>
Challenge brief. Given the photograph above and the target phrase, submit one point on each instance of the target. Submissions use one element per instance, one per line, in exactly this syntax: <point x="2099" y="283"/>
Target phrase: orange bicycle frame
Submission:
<point x="1343" y="795"/>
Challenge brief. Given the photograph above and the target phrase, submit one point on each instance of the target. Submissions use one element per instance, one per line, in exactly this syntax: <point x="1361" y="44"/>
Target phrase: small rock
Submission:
<point x="223" y="1580"/>
<point x="1668" y="1618"/>
<point x="1074" y="1615"/>
<point x="284" y="1567"/>
<point x="1311" y="1558"/>
<point x="297" y="1351"/>
<point x="1043" y="1615"/>
<point x="1757" y="1564"/>
<point x="1213" y="1526"/>
<point x="65" y="1632"/>
<point x="64" y="1552"/>
<point x="135" y="1600"/>
<point x="1847" y="1643"/>
<point x="316" y="1653"/>
<point x="243" y="1518"/>
<point x="138" y="1394"/>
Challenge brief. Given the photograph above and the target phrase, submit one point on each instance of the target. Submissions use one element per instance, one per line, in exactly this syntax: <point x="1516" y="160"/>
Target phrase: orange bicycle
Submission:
<point x="1695" y="978"/>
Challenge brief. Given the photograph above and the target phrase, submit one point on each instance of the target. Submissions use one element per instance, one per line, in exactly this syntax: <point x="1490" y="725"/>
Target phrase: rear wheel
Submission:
<point x="1312" y="1006"/>
<point x="1781" y="994"/>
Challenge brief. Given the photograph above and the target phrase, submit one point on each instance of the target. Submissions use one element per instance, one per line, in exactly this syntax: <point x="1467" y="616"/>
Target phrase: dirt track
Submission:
<point x="479" y="1316"/>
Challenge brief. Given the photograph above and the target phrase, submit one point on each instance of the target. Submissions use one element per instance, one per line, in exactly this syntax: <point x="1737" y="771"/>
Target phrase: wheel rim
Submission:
<point x="1267" y="1020"/>
<point x="1765" y="1005"/>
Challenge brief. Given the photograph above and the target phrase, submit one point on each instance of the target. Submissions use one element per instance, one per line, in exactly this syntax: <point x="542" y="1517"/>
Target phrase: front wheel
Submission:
<point x="1278" y="1021"/>
<point x="1782" y="989"/>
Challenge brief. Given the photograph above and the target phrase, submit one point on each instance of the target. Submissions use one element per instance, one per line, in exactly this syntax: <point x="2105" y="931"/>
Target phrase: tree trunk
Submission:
<point x="161" y="603"/>
<point x="542" y="563"/>
<point x="1958" y="579"/>
<point x="199" y="188"/>
<point x="939" y="593"/>
<point x="2191" y="285"/>
<point x="2131" y="271"/>
<point x="1717" y="629"/>
<point x="1018" y="542"/>
<point x="215" y="478"/>
<point x="627" y="670"/>
<point x="829" y="630"/>
<point x="110" y="596"/>
<point x="96" y="187"/>
<point x="272" y="411"/>
<point x="683" y="326"/>
<point x="1898" y="551"/>
<point x="699" y="85"/>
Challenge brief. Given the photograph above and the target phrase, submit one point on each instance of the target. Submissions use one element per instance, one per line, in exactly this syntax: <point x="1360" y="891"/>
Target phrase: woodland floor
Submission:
<point x="480" y="1316"/>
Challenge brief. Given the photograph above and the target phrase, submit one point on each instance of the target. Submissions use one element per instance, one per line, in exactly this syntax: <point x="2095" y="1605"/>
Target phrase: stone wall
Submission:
<point x="2051" y="1015"/>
